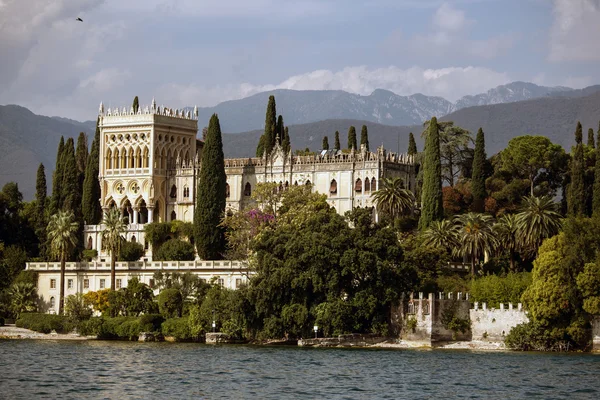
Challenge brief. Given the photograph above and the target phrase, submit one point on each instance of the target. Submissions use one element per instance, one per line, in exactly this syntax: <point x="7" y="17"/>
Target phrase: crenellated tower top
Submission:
<point x="152" y="109"/>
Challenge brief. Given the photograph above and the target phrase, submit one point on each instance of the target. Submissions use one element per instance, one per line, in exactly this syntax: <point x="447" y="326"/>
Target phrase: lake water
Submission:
<point x="118" y="370"/>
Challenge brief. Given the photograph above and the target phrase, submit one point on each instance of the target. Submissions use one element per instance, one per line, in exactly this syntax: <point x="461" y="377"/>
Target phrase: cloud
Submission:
<point x="450" y="83"/>
<point x="448" y="18"/>
<point x="575" y="31"/>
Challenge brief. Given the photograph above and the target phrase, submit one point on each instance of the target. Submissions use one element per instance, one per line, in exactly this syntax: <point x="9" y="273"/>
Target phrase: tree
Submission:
<point x="260" y="148"/>
<point x="596" y="189"/>
<point x="81" y="154"/>
<point x="364" y="137"/>
<point x="57" y="179"/>
<point x="478" y="178"/>
<point x="280" y="129"/>
<point x="70" y="190"/>
<point x="538" y="219"/>
<point x="535" y="159"/>
<point x="441" y="234"/>
<point x="41" y="192"/>
<point x="269" y="135"/>
<point x="475" y="236"/>
<point x="352" y="138"/>
<point x="62" y="234"/>
<point x="576" y="192"/>
<point x="90" y="204"/>
<point x="131" y="251"/>
<point x="286" y="145"/>
<point x="412" y="145"/>
<point x="325" y="144"/>
<point x="175" y="250"/>
<point x="337" y="145"/>
<point x="23" y="298"/>
<point x="170" y="303"/>
<point x="507" y="232"/>
<point x="431" y="194"/>
<point x="114" y="227"/>
<point x="392" y="198"/>
<point x="210" y="203"/>
<point x="590" y="139"/>
<point x="136" y="104"/>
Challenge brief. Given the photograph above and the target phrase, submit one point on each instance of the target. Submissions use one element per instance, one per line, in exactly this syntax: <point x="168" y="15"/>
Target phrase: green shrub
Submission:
<point x="90" y="327"/>
<point x="170" y="303"/>
<point x="89" y="254"/>
<point x="44" y="323"/>
<point x="117" y="328"/>
<point x="178" y="328"/>
<point x="78" y="308"/>
<point x="531" y="336"/>
<point x="175" y="250"/>
<point x="494" y="290"/>
<point x="131" y="251"/>
<point x="150" y="322"/>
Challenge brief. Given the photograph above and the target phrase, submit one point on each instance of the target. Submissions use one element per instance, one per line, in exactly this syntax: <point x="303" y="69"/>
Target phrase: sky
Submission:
<point x="203" y="52"/>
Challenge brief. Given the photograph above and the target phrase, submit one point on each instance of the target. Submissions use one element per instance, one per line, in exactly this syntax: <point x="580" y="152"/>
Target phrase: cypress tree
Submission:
<point x="325" y="145"/>
<point x="279" y="129"/>
<point x="287" y="145"/>
<point x="412" y="145"/>
<point x="90" y="204"/>
<point x="576" y="198"/>
<point x="590" y="140"/>
<point x="478" y="177"/>
<point x="210" y="202"/>
<point x="364" y="137"/>
<point x="431" y="193"/>
<point x="270" y="125"/>
<point x="352" y="138"/>
<point x="136" y="104"/>
<point x="57" y="175"/>
<point x="81" y="152"/>
<point x="70" y="191"/>
<point x="596" y="190"/>
<point x="337" y="144"/>
<point x="260" y="148"/>
<point x="41" y="192"/>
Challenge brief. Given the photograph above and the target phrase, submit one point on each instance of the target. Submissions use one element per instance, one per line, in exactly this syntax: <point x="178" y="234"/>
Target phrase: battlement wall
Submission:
<point x="494" y="324"/>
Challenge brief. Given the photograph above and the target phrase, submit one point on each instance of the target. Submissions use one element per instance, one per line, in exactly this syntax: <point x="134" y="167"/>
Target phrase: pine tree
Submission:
<point x="352" y="138"/>
<point x="596" y="190"/>
<point x="337" y="145"/>
<point x="210" y="202"/>
<point x="576" y="199"/>
<point x="325" y="145"/>
<point x="70" y="191"/>
<point x="287" y="145"/>
<point x="431" y="194"/>
<point x="90" y="204"/>
<point x="478" y="176"/>
<point x="41" y="192"/>
<point x="412" y="145"/>
<point x="364" y="137"/>
<point x="136" y="104"/>
<point x="57" y="176"/>
<point x="590" y="140"/>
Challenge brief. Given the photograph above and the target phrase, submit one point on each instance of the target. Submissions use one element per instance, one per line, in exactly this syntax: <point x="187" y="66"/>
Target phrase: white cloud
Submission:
<point x="448" y="18"/>
<point x="575" y="31"/>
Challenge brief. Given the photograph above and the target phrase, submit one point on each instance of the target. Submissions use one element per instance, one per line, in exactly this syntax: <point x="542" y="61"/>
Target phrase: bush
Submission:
<point x="89" y="254"/>
<point x="90" y="327"/>
<point x="170" y="303"/>
<point x="175" y="250"/>
<point x="131" y="251"/>
<point x="78" y="308"/>
<point x="178" y="328"/>
<point x="494" y="289"/>
<point x="532" y="336"/>
<point x="44" y="323"/>
<point x="150" y="322"/>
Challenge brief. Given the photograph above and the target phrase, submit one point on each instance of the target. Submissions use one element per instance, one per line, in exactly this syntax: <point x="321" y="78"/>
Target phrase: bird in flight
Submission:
<point x="79" y="19"/>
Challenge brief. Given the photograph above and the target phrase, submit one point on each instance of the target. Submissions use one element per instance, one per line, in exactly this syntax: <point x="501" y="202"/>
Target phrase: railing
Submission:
<point x="141" y="265"/>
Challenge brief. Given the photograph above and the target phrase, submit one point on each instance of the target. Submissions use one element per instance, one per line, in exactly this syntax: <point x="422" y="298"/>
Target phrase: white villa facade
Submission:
<point x="149" y="161"/>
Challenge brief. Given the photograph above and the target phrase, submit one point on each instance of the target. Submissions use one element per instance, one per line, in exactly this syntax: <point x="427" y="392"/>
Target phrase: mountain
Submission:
<point x="27" y="139"/>
<point x="553" y="116"/>
<point x="381" y="106"/>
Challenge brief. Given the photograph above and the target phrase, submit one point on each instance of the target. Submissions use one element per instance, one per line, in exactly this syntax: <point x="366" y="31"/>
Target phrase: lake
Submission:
<point x="99" y="369"/>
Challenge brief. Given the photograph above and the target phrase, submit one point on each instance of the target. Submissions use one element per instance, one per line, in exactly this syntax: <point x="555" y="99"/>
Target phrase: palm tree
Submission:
<point x="114" y="226"/>
<point x="441" y="234"/>
<point x="392" y="198"/>
<point x="62" y="234"/>
<point x="475" y="236"/>
<point x="507" y="233"/>
<point x="23" y="298"/>
<point x="538" y="219"/>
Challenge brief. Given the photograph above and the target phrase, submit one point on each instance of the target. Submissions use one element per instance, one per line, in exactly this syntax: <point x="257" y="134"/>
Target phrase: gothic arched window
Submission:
<point x="248" y="189"/>
<point x="227" y="192"/>
<point x="333" y="187"/>
<point x="373" y="184"/>
<point x="173" y="192"/>
<point x="186" y="192"/>
<point x="367" y="185"/>
<point x="173" y="215"/>
<point x="358" y="186"/>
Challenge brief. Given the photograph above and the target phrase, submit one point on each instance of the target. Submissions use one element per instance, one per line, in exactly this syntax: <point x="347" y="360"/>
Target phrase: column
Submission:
<point x="136" y="212"/>
<point x="150" y="214"/>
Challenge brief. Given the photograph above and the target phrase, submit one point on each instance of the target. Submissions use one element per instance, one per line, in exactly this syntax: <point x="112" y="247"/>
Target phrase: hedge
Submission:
<point x="178" y="328"/>
<point x="124" y="328"/>
<point x="45" y="323"/>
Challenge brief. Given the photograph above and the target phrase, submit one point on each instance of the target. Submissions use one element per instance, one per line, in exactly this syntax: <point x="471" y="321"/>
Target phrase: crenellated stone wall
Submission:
<point x="494" y="324"/>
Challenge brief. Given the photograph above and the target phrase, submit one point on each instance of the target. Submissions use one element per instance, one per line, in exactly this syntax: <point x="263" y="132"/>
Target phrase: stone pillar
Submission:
<point x="150" y="214"/>
<point x="136" y="212"/>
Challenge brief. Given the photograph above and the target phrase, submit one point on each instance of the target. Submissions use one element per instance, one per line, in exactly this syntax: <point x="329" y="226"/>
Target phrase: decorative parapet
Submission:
<point x="152" y="109"/>
<point x="142" y="266"/>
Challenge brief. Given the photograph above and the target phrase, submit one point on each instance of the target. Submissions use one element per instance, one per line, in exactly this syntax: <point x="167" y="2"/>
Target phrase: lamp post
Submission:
<point x="316" y="329"/>
<point x="214" y="324"/>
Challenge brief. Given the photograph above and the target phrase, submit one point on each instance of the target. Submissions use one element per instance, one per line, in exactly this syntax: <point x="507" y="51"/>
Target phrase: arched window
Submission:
<point x="333" y="187"/>
<point x="173" y="215"/>
<point x="173" y="192"/>
<point x="358" y="186"/>
<point x="138" y="158"/>
<point x="295" y="183"/>
<point x="131" y="158"/>
<point x="116" y="164"/>
<point x="146" y="157"/>
<point x="52" y="302"/>
<point x="109" y="161"/>
<point x="308" y="183"/>
<point x="287" y="185"/>
<point x="248" y="189"/>
<point x="373" y="184"/>
<point x="367" y="185"/>
<point x="280" y="187"/>
<point x="227" y="191"/>
<point x="186" y="192"/>
<point x="123" y="158"/>
<point x="90" y="243"/>
<point x="133" y="239"/>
